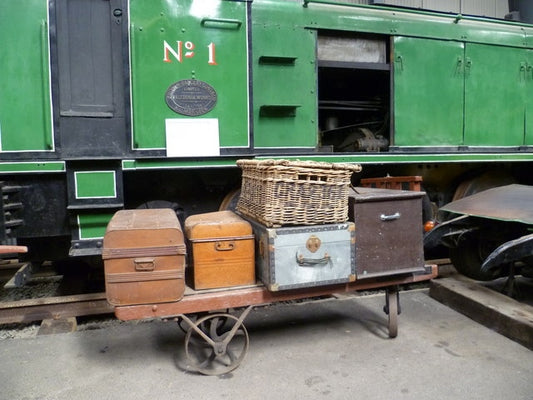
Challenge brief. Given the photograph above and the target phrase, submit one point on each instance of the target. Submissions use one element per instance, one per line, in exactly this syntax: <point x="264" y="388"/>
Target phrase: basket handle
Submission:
<point x="299" y="164"/>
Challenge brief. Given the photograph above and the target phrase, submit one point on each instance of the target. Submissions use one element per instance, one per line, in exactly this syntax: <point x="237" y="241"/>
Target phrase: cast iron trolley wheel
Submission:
<point x="391" y="308"/>
<point x="186" y="325"/>
<point x="216" y="344"/>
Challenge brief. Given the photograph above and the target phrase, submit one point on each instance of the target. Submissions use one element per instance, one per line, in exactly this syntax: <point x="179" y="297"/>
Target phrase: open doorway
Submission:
<point x="353" y="92"/>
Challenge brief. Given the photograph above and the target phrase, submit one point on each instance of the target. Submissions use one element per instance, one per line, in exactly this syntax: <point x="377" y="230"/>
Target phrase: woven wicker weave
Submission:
<point x="281" y="192"/>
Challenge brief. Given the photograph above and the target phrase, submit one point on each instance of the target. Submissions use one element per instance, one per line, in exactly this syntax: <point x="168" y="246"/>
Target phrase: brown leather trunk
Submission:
<point x="222" y="250"/>
<point x="144" y="257"/>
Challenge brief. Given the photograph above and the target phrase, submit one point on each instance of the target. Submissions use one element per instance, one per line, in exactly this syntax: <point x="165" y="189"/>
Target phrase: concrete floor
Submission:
<point x="328" y="349"/>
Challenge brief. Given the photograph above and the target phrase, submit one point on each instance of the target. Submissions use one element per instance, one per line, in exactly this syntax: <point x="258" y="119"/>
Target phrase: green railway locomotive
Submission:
<point x="111" y="104"/>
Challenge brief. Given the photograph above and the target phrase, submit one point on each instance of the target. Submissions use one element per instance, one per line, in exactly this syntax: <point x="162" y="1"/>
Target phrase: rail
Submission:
<point x="30" y="310"/>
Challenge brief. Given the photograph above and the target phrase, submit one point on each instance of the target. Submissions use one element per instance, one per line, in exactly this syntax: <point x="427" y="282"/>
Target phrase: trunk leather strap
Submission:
<point x="132" y="252"/>
<point x="143" y="276"/>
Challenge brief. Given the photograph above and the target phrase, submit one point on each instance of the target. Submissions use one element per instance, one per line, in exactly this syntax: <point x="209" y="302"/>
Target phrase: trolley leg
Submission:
<point x="392" y="309"/>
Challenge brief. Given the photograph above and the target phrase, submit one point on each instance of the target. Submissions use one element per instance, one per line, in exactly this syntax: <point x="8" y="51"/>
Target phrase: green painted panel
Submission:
<point x="24" y="77"/>
<point x="428" y="92"/>
<point x="400" y="22"/>
<point x="95" y="184"/>
<point x="528" y="138"/>
<point x="174" y="41"/>
<point x="406" y="158"/>
<point x="93" y="226"/>
<point x="494" y="95"/>
<point x="284" y="86"/>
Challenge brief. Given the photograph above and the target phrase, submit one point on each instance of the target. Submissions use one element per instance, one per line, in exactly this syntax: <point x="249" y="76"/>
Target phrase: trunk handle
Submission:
<point x="144" y="264"/>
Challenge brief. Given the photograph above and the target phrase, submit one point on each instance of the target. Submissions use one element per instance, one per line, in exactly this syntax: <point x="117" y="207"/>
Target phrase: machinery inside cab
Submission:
<point x="353" y="91"/>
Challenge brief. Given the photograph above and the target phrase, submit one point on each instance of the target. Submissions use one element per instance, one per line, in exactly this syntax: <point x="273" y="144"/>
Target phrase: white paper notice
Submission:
<point x="192" y="137"/>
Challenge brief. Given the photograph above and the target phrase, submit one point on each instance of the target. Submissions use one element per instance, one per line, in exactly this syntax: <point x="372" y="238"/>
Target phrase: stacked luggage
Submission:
<point x="298" y="212"/>
<point x="297" y="224"/>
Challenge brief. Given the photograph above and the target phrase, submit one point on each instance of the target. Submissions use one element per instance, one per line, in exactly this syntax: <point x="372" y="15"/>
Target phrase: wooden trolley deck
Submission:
<point x="216" y="299"/>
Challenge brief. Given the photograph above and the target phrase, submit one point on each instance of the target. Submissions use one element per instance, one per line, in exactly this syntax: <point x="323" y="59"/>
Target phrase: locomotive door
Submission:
<point x="87" y="71"/>
<point x="189" y="77"/>
<point x="25" y="124"/>
<point x="528" y="90"/>
<point x="428" y="92"/>
<point x="495" y="82"/>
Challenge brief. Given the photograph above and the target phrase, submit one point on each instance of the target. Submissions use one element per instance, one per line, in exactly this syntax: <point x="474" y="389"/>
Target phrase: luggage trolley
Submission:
<point x="217" y="343"/>
<point x="291" y="241"/>
<point x="144" y="254"/>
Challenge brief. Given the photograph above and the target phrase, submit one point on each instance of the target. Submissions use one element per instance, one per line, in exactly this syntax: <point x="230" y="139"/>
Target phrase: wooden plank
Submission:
<point x="488" y="307"/>
<point x="24" y="311"/>
<point x="61" y="325"/>
<point x="5" y="249"/>
<point x="20" y="277"/>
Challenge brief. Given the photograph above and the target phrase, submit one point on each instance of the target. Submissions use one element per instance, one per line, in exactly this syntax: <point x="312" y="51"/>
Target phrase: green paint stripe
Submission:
<point x="163" y="164"/>
<point x="59" y="166"/>
<point x="382" y="158"/>
<point x="54" y="166"/>
<point x="414" y="158"/>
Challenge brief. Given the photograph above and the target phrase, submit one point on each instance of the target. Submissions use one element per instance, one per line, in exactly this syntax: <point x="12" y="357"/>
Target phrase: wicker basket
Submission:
<point x="281" y="192"/>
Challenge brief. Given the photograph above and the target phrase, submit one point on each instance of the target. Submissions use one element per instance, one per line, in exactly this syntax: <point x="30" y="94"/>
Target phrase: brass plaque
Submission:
<point x="191" y="97"/>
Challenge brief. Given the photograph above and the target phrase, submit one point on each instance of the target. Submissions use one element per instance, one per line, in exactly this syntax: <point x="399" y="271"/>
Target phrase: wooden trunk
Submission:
<point x="144" y="257"/>
<point x="388" y="231"/>
<point x="222" y="250"/>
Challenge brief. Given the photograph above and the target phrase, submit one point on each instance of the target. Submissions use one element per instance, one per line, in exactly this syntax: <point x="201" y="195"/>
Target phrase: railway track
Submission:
<point x="58" y="307"/>
<point x="28" y="296"/>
